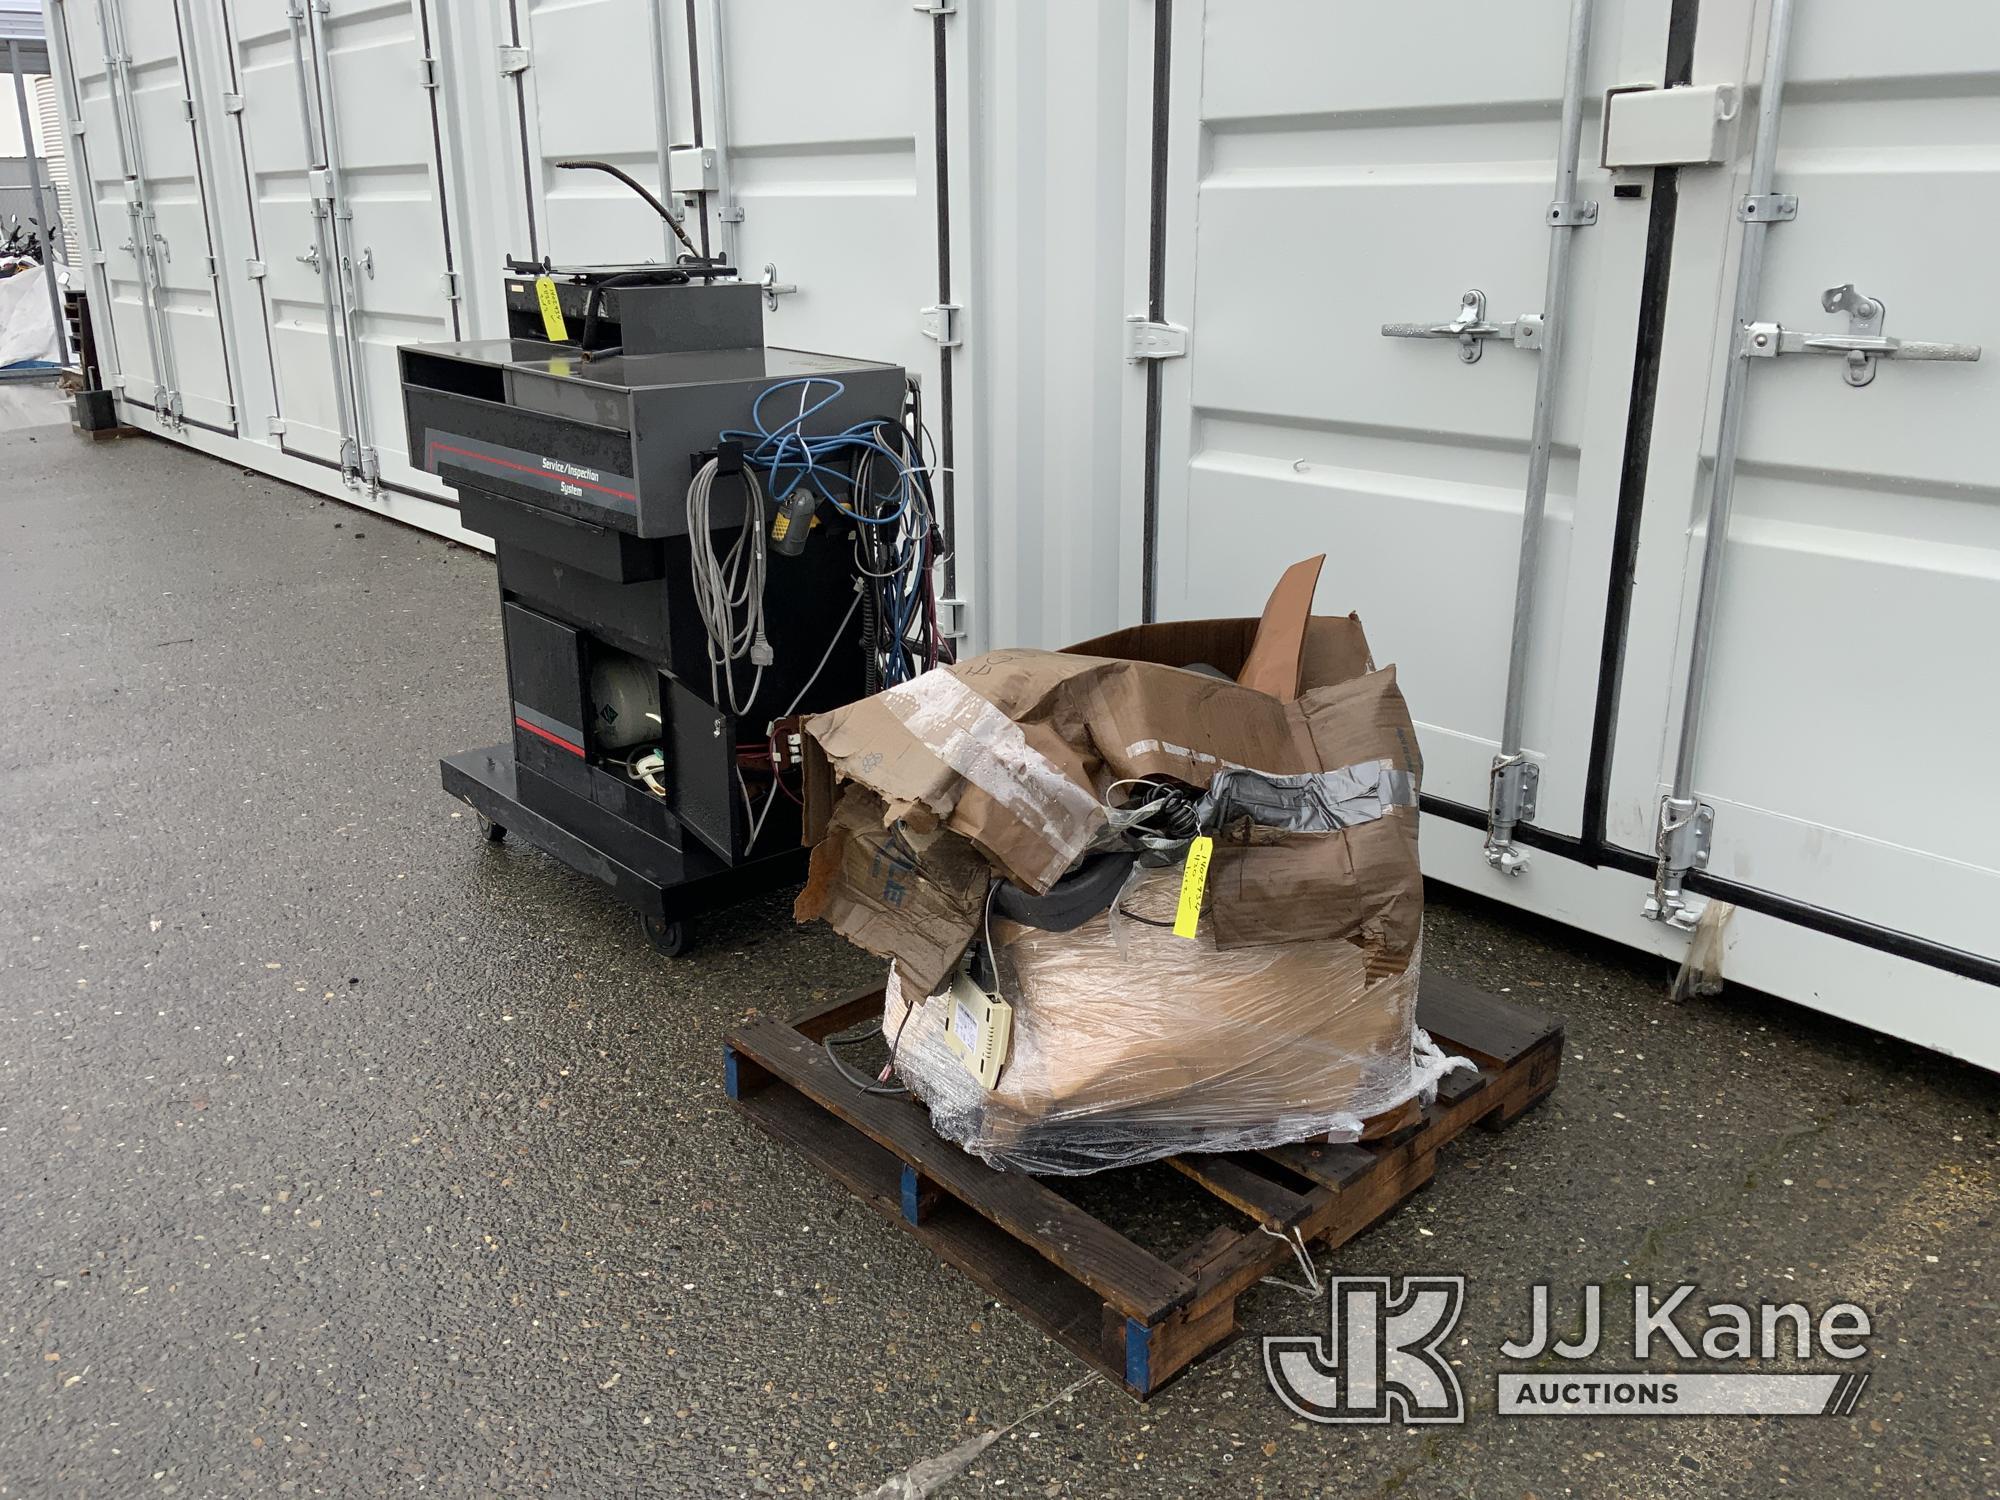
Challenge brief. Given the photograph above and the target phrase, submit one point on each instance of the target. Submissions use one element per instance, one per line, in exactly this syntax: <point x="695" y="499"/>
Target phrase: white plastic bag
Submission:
<point x="27" y="322"/>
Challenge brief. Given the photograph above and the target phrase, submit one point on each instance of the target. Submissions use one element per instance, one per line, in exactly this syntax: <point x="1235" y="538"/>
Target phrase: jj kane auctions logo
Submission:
<point x="1381" y="1357"/>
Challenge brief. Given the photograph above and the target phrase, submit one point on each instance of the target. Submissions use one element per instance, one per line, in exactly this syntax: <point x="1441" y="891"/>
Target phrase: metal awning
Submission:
<point x="24" y="51"/>
<point x="21" y="24"/>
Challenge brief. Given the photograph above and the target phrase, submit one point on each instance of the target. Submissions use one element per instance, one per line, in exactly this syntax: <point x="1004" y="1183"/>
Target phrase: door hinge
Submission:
<point x="1148" y="340"/>
<point x="255" y="269"/>
<point x="951" y="618"/>
<point x="187" y="110"/>
<point x="1768" y="208"/>
<point x="214" y="270"/>
<point x="232" y="104"/>
<point x="275" y="426"/>
<point x="1686" y="834"/>
<point x="427" y="71"/>
<point x="940" y="323"/>
<point x="729" y="214"/>
<point x="935" y="7"/>
<point x="513" y="60"/>
<point x="1514" y="785"/>
<point x="449" y="283"/>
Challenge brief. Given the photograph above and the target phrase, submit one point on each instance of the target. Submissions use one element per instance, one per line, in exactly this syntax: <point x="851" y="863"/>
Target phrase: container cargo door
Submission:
<point x="825" y="183"/>
<point x="769" y="161"/>
<point x="603" y="80"/>
<point x="279" y="149"/>
<point x="1333" y="166"/>
<point x="354" y="215"/>
<point x="1847" y="741"/>
<point x="143" y="187"/>
<point x="797" y="139"/>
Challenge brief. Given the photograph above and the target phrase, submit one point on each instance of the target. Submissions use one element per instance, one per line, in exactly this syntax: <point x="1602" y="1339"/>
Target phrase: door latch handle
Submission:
<point x="774" y="288"/>
<point x="1471" y="329"/>
<point x="310" y="258"/>
<point x="1859" y="348"/>
<point x="366" y="261"/>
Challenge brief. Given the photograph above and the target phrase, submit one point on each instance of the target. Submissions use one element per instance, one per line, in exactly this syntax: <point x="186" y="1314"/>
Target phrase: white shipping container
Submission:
<point x="1686" y="296"/>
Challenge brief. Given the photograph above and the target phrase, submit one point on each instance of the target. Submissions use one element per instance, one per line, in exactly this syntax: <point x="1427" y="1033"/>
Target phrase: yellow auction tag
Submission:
<point x="1193" y="882"/>
<point x="552" y="318"/>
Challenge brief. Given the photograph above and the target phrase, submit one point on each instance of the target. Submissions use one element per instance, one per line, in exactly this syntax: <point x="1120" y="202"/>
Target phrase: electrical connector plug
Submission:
<point x="760" y="652"/>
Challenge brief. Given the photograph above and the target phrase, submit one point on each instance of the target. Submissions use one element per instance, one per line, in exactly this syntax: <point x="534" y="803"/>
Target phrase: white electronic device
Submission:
<point x="978" y="1027"/>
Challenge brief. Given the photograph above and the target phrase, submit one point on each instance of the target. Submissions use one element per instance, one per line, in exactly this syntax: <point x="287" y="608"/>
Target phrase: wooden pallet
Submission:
<point x="1134" y="1315"/>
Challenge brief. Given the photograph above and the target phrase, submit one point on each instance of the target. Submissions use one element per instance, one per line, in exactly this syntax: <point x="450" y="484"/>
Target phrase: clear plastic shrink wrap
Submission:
<point x="1131" y="1044"/>
<point x="964" y="822"/>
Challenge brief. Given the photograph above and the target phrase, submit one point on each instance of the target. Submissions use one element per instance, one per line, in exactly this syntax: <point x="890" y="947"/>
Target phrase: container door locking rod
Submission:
<point x="1514" y="778"/>
<point x="1685" y="823"/>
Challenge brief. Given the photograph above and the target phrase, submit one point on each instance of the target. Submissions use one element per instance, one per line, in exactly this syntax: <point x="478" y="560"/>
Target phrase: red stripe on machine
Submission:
<point x="508" y="463"/>
<point x="541" y="733"/>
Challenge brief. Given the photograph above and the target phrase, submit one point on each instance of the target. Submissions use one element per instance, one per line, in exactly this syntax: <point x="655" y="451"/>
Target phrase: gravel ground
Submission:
<point x="343" y="1154"/>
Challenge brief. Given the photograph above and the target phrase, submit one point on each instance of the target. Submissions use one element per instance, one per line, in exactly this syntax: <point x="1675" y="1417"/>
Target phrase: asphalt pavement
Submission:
<point x="342" y="1153"/>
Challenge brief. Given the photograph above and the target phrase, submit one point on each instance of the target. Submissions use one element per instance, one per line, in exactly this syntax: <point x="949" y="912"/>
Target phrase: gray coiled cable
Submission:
<point x="725" y="585"/>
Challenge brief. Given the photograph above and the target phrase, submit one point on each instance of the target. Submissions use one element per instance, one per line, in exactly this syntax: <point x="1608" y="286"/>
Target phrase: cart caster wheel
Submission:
<point x="670" y="939"/>
<point x="489" y="830"/>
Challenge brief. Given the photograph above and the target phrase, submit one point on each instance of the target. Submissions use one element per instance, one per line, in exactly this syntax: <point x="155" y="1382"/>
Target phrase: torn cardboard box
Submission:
<point x="1276" y="656"/>
<point x="1008" y="751"/>
<point x="1274" y="1003"/>
<point x="913" y="898"/>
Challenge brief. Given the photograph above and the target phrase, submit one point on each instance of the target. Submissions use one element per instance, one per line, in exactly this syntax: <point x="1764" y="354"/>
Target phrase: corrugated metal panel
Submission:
<point x="48" y="114"/>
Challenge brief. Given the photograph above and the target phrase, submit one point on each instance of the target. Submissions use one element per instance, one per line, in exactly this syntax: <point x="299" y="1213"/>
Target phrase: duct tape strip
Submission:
<point x="988" y="749"/>
<point x="1316" y="802"/>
